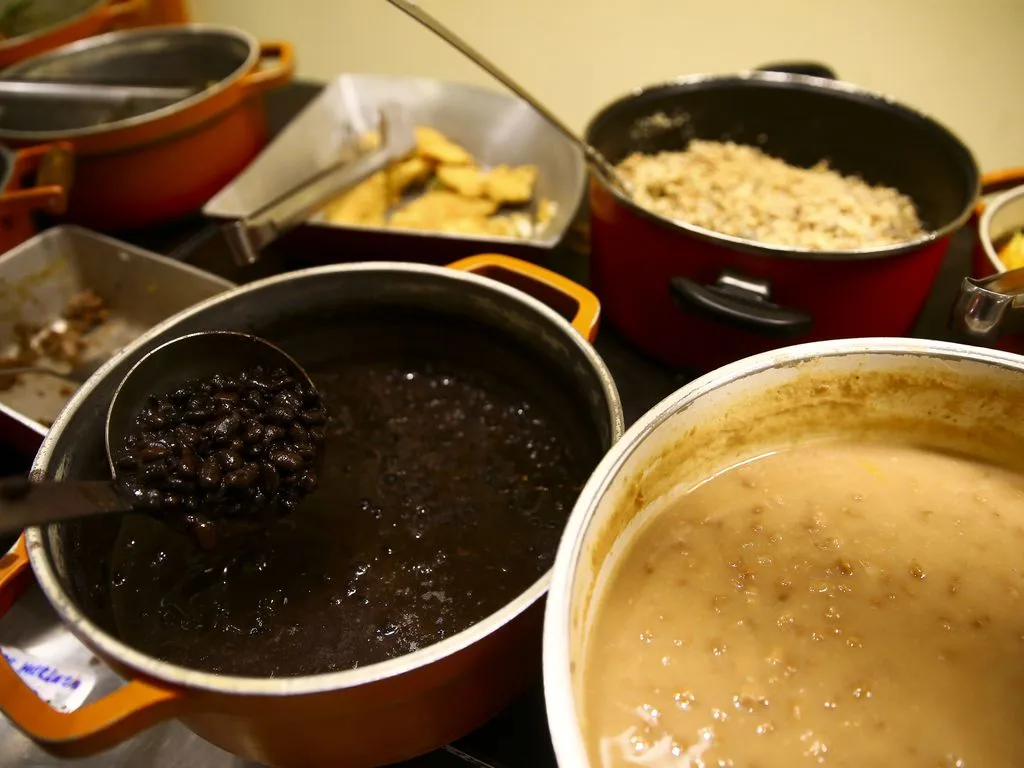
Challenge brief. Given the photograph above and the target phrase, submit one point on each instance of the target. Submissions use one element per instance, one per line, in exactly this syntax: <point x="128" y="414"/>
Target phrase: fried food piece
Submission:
<point x="368" y="141"/>
<point x="467" y="180"/>
<point x="365" y="205"/>
<point x="408" y="173"/>
<point x="511" y="185"/>
<point x="440" y="207"/>
<point x="1012" y="254"/>
<point x="434" y="145"/>
<point x="546" y="210"/>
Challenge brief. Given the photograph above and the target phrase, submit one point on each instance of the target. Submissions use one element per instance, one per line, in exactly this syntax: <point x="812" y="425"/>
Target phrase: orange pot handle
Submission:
<point x="95" y="727"/>
<point x="558" y="292"/>
<point x="999" y="181"/>
<point x="264" y="79"/>
<point x="52" y="165"/>
<point x="122" y="10"/>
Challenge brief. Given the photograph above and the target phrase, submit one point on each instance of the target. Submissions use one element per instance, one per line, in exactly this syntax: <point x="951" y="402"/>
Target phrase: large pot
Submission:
<point x="33" y="180"/>
<point x="698" y="299"/>
<point x="954" y="396"/>
<point x="372" y="715"/>
<point x="58" y="22"/>
<point x="165" y="163"/>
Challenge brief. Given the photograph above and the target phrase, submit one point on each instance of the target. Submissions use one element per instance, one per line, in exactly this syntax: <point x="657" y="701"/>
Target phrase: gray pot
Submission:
<point x="949" y="396"/>
<point x="372" y="715"/>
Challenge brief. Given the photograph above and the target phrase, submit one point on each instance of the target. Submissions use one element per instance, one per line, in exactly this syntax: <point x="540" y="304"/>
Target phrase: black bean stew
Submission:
<point x="453" y="457"/>
<point x="230" y="449"/>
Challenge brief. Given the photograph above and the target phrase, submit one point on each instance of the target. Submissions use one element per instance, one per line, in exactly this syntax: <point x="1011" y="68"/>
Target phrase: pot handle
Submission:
<point x="52" y="165"/>
<point x="742" y="302"/>
<point x="999" y="181"/>
<point x="989" y="308"/>
<point x="120" y="10"/>
<point x="261" y="80"/>
<point x="97" y="726"/>
<point x="560" y="293"/>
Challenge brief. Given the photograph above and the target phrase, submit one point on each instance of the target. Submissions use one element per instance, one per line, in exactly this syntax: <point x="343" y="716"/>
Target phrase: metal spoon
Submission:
<point x="95" y="92"/>
<point x="25" y="503"/>
<point x="597" y="161"/>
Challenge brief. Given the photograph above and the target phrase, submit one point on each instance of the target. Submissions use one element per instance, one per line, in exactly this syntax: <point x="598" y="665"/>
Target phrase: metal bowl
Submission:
<point x="494" y="127"/>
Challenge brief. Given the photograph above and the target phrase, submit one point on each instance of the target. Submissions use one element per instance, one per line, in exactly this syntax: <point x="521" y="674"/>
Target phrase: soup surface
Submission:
<point x="833" y="604"/>
<point x="451" y="463"/>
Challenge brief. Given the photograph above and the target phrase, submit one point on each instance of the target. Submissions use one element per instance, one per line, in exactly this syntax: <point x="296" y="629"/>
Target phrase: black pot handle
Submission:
<point x="812" y="68"/>
<point x="741" y="302"/>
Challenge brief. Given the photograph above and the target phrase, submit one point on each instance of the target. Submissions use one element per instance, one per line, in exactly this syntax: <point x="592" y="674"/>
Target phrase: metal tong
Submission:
<point x="248" y="236"/>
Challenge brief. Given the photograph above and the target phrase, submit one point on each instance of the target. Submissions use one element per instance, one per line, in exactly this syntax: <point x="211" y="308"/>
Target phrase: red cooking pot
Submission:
<point x="699" y="299"/>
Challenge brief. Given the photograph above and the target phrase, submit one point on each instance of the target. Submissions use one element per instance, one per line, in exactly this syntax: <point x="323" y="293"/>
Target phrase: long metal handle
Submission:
<point x="991" y="307"/>
<point x="24" y="504"/>
<point x="247" y="237"/>
<point x="112" y="94"/>
<point x="590" y="153"/>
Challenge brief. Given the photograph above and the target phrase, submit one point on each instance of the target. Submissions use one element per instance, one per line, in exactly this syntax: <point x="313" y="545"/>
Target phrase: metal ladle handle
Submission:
<point x="989" y="308"/>
<point x="594" y="157"/>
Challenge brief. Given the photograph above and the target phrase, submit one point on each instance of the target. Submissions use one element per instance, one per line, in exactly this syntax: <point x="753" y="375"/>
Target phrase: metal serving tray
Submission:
<point x="495" y="127"/>
<point x="38" y="278"/>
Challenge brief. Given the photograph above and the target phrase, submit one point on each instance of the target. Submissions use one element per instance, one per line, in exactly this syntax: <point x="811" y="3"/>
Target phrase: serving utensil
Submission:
<point x="596" y="160"/>
<point x="247" y="237"/>
<point x="25" y="503"/>
<point x="95" y="92"/>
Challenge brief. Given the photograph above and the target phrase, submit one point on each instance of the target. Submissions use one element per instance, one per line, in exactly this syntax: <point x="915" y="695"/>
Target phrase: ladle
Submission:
<point x="597" y="161"/>
<point x="25" y="503"/>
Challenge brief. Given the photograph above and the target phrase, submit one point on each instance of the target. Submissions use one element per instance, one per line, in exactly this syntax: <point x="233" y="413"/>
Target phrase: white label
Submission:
<point x="63" y="687"/>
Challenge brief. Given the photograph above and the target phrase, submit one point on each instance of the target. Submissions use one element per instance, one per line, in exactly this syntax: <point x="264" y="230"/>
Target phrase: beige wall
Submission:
<point x="961" y="61"/>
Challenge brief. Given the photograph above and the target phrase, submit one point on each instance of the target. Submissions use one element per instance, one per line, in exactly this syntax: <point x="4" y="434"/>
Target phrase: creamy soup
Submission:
<point x="833" y="604"/>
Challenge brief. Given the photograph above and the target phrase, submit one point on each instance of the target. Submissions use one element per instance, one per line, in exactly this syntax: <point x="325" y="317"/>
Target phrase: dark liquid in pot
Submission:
<point x="451" y="465"/>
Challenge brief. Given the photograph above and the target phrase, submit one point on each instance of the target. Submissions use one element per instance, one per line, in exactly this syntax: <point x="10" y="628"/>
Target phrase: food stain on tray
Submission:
<point x="440" y="188"/>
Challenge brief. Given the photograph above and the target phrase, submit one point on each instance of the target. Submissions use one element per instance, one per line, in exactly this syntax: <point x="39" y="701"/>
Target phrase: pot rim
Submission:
<point x="804" y="82"/>
<point x="560" y="703"/>
<point x="985" y="225"/>
<point x="108" y="38"/>
<point x="49" y="29"/>
<point x="187" y="678"/>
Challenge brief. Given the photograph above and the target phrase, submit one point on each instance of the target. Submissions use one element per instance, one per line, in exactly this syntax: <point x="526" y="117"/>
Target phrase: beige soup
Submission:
<point x="832" y="604"/>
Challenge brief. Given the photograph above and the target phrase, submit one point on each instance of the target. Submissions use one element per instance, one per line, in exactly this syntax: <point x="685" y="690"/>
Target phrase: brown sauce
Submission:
<point x="450" y="468"/>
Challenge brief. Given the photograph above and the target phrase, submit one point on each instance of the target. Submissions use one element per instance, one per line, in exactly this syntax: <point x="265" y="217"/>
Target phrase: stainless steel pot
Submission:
<point x="947" y="395"/>
<point x="139" y="166"/>
<point x="373" y="715"/>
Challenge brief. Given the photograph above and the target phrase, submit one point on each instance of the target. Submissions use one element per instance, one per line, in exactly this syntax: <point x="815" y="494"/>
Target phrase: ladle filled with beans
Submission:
<point x="216" y="433"/>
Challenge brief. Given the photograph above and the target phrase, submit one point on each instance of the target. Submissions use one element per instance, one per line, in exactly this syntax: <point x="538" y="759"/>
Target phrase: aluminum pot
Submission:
<point x="49" y="24"/>
<point x="950" y="395"/>
<point x="697" y="298"/>
<point x="377" y="714"/>
<point x="155" y="166"/>
<point x="32" y="180"/>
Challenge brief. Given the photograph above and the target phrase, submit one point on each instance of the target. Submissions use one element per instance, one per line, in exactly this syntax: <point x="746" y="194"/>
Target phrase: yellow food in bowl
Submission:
<point x="1012" y="253"/>
<point x="440" y="188"/>
<point x="834" y="604"/>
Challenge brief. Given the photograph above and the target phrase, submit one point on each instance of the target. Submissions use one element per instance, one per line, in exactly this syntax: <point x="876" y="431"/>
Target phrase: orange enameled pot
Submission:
<point x="74" y="21"/>
<point x="32" y="180"/>
<point x="157" y="165"/>
<point x="372" y="715"/>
